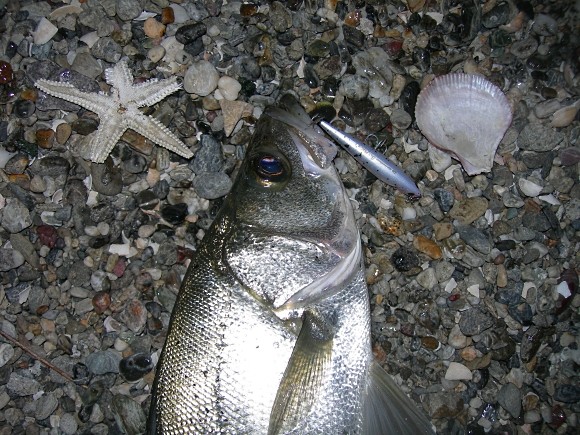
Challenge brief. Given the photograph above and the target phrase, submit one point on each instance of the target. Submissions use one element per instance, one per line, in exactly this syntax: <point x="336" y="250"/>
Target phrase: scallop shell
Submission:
<point x="466" y="116"/>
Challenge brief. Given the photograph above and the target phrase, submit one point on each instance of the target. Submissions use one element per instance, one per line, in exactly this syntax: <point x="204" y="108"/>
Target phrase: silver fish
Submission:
<point x="270" y="333"/>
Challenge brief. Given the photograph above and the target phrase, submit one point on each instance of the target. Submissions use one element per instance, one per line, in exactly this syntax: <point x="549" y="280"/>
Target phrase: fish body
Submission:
<point x="270" y="333"/>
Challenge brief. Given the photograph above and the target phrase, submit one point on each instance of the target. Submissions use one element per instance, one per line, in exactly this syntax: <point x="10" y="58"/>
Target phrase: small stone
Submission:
<point x="280" y="17"/>
<point x="101" y="301"/>
<point x="510" y="398"/>
<point x="134" y="316"/>
<point x="175" y="214"/>
<point x="107" y="179"/>
<point x="354" y="87"/>
<point x="44" y="31"/>
<point x="68" y="424"/>
<point x="232" y="112"/>
<point x="474" y="321"/>
<point x="128" y="10"/>
<point x="537" y="137"/>
<point x="427" y="246"/>
<point x="22" y="385"/>
<point x="442" y="230"/>
<point x="444" y="405"/>
<point x="190" y="33"/>
<point x="567" y="393"/>
<point x="468" y="210"/>
<point x="404" y="259"/>
<point x="128" y="414"/>
<point x="456" y="339"/>
<point x="427" y="278"/>
<point x="212" y="185"/>
<point x="10" y="259"/>
<point x="167" y="15"/>
<point x="444" y="198"/>
<point x="103" y="361"/>
<point x="153" y="28"/>
<point x="401" y="119"/>
<point x="15" y="216"/>
<point x="135" y="366"/>
<point x="6" y="72"/>
<point x="6" y="353"/>
<point x="229" y="87"/>
<point x="45" y="406"/>
<point x="458" y="372"/>
<point x="475" y="238"/>
<point x="201" y="78"/>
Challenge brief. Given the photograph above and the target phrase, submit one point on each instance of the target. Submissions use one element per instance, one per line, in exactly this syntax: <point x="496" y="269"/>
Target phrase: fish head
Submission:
<point x="291" y="212"/>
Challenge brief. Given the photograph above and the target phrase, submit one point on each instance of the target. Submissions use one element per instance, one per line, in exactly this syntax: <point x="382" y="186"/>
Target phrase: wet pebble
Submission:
<point x="212" y="185"/>
<point x="135" y="366"/>
<point x="510" y="398"/>
<point x="475" y="320"/>
<point x="103" y="361"/>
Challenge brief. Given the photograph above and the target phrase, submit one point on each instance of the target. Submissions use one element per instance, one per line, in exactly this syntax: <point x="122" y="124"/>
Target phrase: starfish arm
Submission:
<point x="110" y="130"/>
<point x="120" y="78"/>
<point x="97" y="103"/>
<point x="152" y="91"/>
<point x="156" y="132"/>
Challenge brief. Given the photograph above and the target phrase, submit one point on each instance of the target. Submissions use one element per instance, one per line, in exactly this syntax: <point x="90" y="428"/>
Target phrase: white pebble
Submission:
<point x="155" y="54"/>
<point x="103" y="228"/>
<point x="201" y="78"/>
<point x="44" y="31"/>
<point x="229" y="87"/>
<point x="529" y="188"/>
<point x="408" y="213"/>
<point x="457" y="372"/>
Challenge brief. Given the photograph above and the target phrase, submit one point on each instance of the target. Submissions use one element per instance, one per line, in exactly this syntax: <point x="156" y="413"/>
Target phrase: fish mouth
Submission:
<point x="316" y="151"/>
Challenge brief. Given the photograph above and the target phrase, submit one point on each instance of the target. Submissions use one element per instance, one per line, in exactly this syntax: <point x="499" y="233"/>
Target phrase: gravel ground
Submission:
<point x="473" y="287"/>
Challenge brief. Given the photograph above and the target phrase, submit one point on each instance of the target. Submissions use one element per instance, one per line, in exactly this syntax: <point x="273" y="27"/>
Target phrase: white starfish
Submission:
<point x="119" y="111"/>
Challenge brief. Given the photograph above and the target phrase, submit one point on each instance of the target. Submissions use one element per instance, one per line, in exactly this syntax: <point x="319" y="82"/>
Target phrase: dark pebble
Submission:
<point x="174" y="213"/>
<point x="135" y="164"/>
<point x="474" y="321"/>
<point x="147" y="200"/>
<point x="522" y="313"/>
<point x="135" y="366"/>
<point x="376" y="120"/>
<point x="409" y="96"/>
<point x="567" y="393"/>
<point x="404" y="259"/>
<point x="107" y="179"/>
<point x="24" y="108"/>
<point x="190" y="32"/>
<point x="444" y="198"/>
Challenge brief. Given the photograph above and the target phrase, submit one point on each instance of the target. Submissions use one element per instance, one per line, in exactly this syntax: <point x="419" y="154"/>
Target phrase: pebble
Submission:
<point x="135" y="366"/>
<point x="15" y="216"/>
<point x="539" y="138"/>
<point x="128" y="414"/>
<point x="427" y="246"/>
<point x="468" y="210"/>
<point x="201" y="78"/>
<point x="68" y="424"/>
<point x="103" y="361"/>
<point x="153" y="28"/>
<point x="6" y="353"/>
<point x="229" y="87"/>
<point x="212" y="185"/>
<point x="22" y="385"/>
<point x="474" y="321"/>
<point x="45" y="406"/>
<point x="10" y="259"/>
<point x="457" y="372"/>
<point x="510" y="398"/>
<point x="209" y="157"/>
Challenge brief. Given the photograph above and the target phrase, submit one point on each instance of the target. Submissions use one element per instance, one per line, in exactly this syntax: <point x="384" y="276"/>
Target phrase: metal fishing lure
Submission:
<point x="373" y="161"/>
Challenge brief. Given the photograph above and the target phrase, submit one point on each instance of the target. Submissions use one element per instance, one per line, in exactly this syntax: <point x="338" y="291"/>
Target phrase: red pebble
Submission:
<point x="183" y="254"/>
<point x="101" y="301"/>
<point x="454" y="297"/>
<point x="393" y="46"/>
<point x="47" y="235"/>
<point x="6" y="73"/>
<point x="119" y="268"/>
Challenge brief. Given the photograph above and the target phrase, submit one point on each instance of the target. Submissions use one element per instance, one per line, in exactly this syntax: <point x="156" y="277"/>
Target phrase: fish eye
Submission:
<point x="270" y="170"/>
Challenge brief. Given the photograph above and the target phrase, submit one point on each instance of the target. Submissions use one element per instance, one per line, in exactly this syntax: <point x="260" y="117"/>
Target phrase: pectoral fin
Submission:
<point x="304" y="376"/>
<point x="387" y="410"/>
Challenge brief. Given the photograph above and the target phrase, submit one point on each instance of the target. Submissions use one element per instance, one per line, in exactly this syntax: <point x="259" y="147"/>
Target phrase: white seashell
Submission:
<point x="466" y="116"/>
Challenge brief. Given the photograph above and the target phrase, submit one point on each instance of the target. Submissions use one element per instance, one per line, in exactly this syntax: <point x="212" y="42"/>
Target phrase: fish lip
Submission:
<point x="316" y="151"/>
